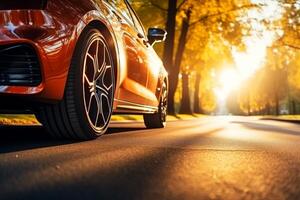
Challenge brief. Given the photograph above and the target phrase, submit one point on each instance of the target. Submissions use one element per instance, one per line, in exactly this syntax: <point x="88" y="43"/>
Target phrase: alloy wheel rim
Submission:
<point x="98" y="84"/>
<point x="164" y="103"/>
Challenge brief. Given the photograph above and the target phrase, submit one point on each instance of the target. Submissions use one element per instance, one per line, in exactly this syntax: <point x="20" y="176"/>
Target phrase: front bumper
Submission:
<point x="51" y="39"/>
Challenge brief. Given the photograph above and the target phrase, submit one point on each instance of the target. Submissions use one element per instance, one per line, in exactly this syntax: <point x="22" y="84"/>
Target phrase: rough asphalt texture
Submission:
<point x="208" y="158"/>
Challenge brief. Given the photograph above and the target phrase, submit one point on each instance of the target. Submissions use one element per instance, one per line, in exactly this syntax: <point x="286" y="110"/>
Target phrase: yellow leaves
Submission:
<point x="150" y="15"/>
<point x="278" y="80"/>
<point x="218" y="27"/>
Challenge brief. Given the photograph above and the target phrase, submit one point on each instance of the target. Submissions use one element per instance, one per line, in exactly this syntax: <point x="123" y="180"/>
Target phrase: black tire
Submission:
<point x="159" y="119"/>
<point x="85" y="111"/>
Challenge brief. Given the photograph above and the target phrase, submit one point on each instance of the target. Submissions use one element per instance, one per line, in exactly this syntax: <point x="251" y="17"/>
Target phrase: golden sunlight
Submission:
<point x="228" y="80"/>
<point x="247" y="62"/>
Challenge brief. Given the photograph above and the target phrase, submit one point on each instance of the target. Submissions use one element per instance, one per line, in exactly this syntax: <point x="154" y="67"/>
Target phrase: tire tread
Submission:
<point x="61" y="120"/>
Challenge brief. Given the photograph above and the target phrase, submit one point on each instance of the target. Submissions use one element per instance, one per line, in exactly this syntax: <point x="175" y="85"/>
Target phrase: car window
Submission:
<point x="137" y="22"/>
<point x="121" y="6"/>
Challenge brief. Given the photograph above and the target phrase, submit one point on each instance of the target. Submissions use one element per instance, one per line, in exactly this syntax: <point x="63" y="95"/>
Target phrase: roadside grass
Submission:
<point x="283" y="117"/>
<point x="30" y="120"/>
<point x="9" y="119"/>
<point x="290" y="117"/>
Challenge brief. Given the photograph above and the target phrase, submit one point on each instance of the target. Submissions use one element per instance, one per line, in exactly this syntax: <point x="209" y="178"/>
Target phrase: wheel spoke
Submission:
<point x="98" y="84"/>
<point x="102" y="113"/>
<point x="101" y="89"/>
<point x="108" y="100"/>
<point x="88" y="81"/>
<point x="90" y="102"/>
<point x="110" y="87"/>
<point x="101" y="69"/>
<point x="107" y="70"/>
<point x="97" y="51"/>
<point x="105" y="118"/>
<point x="100" y="74"/>
<point x="96" y="61"/>
<point x="104" y="56"/>
<point x="91" y="57"/>
<point x="99" y="108"/>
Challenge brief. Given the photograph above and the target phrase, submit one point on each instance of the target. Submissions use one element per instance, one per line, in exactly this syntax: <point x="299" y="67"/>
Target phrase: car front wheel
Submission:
<point x="87" y="106"/>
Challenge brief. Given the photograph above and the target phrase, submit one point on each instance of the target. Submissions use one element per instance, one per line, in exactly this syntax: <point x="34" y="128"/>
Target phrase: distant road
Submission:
<point x="208" y="158"/>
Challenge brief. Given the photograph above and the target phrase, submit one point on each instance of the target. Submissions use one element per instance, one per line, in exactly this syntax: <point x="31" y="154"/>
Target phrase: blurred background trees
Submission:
<point x="229" y="56"/>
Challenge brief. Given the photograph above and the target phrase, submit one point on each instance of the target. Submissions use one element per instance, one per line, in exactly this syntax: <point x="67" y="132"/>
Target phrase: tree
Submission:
<point x="268" y="90"/>
<point x="288" y="26"/>
<point x="196" y="106"/>
<point x="185" y="107"/>
<point x="212" y="19"/>
<point x="174" y="71"/>
<point x="186" y="22"/>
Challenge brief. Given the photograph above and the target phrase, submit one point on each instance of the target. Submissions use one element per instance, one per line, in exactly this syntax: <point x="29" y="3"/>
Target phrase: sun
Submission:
<point x="229" y="80"/>
<point x="245" y="65"/>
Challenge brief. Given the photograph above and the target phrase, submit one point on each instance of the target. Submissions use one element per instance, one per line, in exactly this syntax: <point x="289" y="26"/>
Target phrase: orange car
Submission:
<point x="74" y="63"/>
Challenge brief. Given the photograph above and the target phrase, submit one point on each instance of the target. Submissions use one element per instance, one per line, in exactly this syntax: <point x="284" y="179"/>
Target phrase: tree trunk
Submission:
<point x="293" y="107"/>
<point x="268" y="109"/>
<point x="296" y="108"/>
<point x="170" y="28"/>
<point x="197" y="107"/>
<point x="169" y="50"/>
<point x="174" y="71"/>
<point x="248" y="105"/>
<point x="277" y="109"/>
<point x="185" y="107"/>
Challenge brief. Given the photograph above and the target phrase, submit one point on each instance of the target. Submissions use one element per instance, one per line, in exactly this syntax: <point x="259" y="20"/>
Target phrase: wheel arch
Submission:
<point x="111" y="42"/>
<point x="96" y="20"/>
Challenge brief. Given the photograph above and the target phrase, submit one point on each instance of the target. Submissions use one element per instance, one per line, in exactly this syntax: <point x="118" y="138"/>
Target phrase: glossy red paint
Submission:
<point x="54" y="32"/>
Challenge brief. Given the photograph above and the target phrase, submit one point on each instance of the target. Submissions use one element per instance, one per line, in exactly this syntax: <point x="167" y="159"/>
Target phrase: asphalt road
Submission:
<point x="208" y="158"/>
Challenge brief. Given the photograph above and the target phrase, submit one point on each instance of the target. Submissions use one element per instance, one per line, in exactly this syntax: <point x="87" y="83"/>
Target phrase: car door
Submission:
<point x="151" y="63"/>
<point x="134" y="72"/>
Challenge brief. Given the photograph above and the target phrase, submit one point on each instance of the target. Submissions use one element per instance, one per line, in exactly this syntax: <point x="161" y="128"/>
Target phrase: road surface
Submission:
<point x="207" y="158"/>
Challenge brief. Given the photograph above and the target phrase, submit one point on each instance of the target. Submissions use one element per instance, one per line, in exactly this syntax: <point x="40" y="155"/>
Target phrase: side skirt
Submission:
<point x="125" y="107"/>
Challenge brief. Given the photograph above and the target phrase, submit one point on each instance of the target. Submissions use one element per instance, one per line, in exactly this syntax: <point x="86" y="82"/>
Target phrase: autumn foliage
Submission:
<point x="231" y="56"/>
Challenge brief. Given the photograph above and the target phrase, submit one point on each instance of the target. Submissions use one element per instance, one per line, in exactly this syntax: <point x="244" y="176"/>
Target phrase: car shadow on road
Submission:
<point x="140" y="177"/>
<point x="19" y="138"/>
<point x="123" y="130"/>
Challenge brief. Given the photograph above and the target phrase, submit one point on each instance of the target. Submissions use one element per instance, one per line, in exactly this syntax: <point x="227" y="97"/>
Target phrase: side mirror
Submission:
<point x="156" y="35"/>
